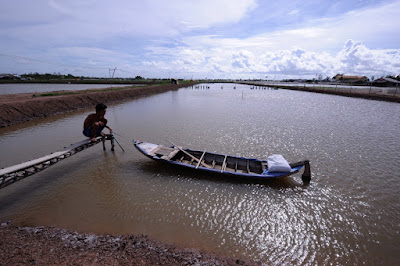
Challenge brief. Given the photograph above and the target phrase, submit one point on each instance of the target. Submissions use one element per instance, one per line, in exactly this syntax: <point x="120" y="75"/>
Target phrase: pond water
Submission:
<point x="349" y="214"/>
<point x="39" y="88"/>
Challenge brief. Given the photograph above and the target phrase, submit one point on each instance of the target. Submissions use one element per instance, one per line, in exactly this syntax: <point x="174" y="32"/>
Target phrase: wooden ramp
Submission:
<point x="17" y="172"/>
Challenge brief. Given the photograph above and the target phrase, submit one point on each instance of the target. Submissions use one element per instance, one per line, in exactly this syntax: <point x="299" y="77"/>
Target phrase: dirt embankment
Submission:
<point x="19" y="108"/>
<point x="54" y="246"/>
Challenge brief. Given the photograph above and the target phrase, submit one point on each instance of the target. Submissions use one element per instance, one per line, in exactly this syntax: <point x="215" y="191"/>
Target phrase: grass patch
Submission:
<point x="50" y="94"/>
<point x="54" y="94"/>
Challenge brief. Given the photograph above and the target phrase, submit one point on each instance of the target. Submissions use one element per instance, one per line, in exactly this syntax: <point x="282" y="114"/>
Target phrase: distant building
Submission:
<point x="174" y="81"/>
<point x="386" y="82"/>
<point x="350" y="79"/>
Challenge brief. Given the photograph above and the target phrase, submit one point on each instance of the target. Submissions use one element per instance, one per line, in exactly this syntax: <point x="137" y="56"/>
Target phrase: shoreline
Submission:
<point x="56" y="246"/>
<point x="24" y="107"/>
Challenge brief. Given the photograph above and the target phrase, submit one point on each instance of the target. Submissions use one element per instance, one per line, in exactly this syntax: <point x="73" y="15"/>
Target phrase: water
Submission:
<point x="349" y="214"/>
<point x="40" y="88"/>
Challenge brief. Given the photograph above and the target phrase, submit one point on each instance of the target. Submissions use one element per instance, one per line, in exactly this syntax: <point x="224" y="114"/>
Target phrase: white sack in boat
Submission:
<point x="276" y="163"/>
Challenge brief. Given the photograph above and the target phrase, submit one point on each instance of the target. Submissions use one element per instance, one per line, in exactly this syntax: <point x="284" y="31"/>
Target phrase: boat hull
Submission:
<point x="246" y="168"/>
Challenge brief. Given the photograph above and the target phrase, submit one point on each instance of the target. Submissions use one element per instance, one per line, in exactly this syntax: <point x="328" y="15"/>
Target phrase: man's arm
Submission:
<point x="108" y="128"/>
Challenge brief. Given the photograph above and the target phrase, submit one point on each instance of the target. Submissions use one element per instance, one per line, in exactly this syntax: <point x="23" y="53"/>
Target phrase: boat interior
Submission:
<point x="210" y="160"/>
<point x="220" y="162"/>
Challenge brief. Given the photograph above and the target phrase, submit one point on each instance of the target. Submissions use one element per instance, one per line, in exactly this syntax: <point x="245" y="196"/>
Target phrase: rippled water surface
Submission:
<point x="349" y="214"/>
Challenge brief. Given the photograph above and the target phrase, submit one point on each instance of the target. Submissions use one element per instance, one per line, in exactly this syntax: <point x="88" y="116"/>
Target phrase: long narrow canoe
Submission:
<point x="218" y="163"/>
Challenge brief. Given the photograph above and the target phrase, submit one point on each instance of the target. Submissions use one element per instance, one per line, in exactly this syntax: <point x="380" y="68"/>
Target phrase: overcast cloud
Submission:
<point x="201" y="39"/>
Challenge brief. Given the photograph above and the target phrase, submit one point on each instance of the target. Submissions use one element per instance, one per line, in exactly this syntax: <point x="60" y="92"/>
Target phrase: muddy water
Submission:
<point x="349" y="214"/>
<point x="38" y="88"/>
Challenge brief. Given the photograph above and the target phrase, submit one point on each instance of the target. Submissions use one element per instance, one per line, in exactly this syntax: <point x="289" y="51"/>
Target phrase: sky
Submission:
<point x="201" y="39"/>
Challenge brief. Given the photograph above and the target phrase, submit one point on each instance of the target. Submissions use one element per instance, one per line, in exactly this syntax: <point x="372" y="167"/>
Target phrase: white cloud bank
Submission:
<point x="354" y="58"/>
<point x="322" y="46"/>
<point x="210" y="38"/>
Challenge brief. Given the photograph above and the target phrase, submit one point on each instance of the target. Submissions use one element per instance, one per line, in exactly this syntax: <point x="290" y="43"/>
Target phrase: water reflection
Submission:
<point x="347" y="215"/>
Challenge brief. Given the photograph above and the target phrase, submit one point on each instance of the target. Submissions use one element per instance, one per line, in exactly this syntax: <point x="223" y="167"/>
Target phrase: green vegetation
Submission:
<point x="54" y="94"/>
<point x="85" y="91"/>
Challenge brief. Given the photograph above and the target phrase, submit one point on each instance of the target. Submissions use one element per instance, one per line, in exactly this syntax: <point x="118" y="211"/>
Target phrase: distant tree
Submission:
<point x="394" y="77"/>
<point x="138" y="77"/>
<point x="338" y="76"/>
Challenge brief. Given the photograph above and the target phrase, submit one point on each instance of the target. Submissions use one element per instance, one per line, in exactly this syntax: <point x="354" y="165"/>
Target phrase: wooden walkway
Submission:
<point x="17" y="172"/>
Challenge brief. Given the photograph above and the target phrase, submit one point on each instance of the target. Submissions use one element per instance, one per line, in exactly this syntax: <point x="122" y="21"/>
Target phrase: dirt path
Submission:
<point x="19" y="108"/>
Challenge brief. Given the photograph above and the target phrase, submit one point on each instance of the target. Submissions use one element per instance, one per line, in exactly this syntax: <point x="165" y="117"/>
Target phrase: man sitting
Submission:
<point x="95" y="123"/>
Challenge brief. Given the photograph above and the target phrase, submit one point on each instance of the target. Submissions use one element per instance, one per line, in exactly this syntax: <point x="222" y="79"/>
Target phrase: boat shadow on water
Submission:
<point x="167" y="171"/>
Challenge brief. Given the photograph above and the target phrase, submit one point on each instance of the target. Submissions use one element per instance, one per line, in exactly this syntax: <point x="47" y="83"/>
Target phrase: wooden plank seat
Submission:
<point x="171" y="154"/>
<point x="162" y="150"/>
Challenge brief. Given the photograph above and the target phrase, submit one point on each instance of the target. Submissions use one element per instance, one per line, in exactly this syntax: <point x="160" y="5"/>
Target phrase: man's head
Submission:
<point x="100" y="107"/>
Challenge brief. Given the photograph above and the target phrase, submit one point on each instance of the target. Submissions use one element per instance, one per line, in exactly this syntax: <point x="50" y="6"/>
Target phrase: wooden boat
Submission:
<point x="218" y="163"/>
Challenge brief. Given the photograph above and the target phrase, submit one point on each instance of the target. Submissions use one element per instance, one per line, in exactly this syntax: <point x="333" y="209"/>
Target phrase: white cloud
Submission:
<point x="357" y="58"/>
<point x="377" y="24"/>
<point x="61" y="20"/>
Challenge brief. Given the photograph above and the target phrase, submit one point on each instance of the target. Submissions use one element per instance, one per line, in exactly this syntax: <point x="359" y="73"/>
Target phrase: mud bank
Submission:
<point x="19" y="108"/>
<point x="55" y="246"/>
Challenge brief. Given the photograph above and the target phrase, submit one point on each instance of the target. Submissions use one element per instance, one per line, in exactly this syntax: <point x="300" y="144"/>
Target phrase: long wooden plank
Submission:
<point x="171" y="155"/>
<point x="43" y="159"/>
